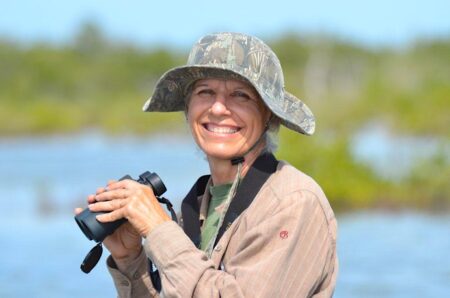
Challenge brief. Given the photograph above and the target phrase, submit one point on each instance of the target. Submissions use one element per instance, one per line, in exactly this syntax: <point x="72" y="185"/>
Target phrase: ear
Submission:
<point x="268" y="116"/>
<point x="187" y="101"/>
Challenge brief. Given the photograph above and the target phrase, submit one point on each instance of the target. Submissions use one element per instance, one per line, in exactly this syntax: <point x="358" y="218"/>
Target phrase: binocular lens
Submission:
<point x="92" y="228"/>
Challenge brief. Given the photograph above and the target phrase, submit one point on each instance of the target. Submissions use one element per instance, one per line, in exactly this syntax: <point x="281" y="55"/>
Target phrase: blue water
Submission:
<point x="42" y="179"/>
<point x="394" y="255"/>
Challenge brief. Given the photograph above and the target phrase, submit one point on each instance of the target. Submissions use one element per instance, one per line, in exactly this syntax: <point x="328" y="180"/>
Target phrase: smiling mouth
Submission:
<point x="220" y="129"/>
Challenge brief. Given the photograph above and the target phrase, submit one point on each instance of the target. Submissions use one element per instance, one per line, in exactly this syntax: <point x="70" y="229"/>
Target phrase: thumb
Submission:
<point x="77" y="211"/>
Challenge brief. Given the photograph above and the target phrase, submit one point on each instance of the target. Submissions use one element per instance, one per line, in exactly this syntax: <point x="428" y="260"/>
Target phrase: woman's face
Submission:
<point x="226" y="117"/>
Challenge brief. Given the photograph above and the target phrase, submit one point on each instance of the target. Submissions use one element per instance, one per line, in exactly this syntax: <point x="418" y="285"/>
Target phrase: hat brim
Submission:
<point x="173" y="87"/>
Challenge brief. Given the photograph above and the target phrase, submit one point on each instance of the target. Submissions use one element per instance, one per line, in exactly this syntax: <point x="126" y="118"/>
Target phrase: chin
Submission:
<point x="221" y="153"/>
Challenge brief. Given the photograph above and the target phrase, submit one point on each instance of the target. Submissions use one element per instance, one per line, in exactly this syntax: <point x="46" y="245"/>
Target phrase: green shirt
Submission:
<point x="219" y="194"/>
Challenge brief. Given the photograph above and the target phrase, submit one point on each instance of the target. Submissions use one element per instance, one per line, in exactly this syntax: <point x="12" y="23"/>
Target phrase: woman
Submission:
<point x="255" y="227"/>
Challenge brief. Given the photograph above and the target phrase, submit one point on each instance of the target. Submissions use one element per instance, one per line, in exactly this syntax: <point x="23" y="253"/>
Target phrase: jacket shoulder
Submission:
<point x="289" y="185"/>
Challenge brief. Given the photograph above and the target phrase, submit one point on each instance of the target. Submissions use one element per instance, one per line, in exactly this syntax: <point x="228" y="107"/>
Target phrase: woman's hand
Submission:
<point x="133" y="201"/>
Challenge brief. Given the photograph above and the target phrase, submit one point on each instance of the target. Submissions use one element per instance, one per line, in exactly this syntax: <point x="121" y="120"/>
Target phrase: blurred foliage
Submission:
<point x="91" y="82"/>
<point x="348" y="185"/>
<point x="96" y="82"/>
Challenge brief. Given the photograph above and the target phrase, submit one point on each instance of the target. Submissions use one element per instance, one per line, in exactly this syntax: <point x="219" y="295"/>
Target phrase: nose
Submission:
<point x="219" y="105"/>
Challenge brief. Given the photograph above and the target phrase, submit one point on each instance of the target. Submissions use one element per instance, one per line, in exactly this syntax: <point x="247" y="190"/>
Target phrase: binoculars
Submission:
<point x="97" y="231"/>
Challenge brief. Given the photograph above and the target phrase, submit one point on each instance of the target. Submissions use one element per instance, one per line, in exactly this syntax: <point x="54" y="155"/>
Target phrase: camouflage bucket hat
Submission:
<point x="233" y="56"/>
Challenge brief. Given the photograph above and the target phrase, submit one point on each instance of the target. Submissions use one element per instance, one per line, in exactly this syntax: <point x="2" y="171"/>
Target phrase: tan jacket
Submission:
<point x="283" y="245"/>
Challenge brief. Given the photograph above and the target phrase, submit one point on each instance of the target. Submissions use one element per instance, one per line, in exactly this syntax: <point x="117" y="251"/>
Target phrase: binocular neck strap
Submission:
<point x="169" y="207"/>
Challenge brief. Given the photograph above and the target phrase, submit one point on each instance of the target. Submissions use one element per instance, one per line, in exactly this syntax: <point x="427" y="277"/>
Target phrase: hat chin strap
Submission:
<point x="241" y="158"/>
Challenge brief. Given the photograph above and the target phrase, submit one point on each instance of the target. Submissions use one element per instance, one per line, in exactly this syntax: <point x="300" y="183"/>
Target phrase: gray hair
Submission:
<point x="271" y="135"/>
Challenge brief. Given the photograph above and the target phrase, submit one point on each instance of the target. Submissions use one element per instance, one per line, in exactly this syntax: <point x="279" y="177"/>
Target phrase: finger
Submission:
<point x="108" y="205"/>
<point x="111" y="216"/>
<point x="78" y="211"/>
<point x="91" y="199"/>
<point x="111" y="182"/>
<point x="106" y="188"/>
<point x="101" y="190"/>
<point x="122" y="184"/>
<point x="120" y="193"/>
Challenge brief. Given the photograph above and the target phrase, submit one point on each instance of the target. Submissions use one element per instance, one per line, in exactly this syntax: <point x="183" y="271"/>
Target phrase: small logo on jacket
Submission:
<point x="284" y="234"/>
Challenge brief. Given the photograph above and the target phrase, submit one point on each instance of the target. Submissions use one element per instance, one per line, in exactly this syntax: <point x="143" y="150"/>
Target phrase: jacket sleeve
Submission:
<point x="133" y="281"/>
<point x="288" y="252"/>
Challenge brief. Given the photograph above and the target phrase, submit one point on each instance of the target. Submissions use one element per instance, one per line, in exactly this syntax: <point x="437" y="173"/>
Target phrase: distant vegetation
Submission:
<point x="96" y="82"/>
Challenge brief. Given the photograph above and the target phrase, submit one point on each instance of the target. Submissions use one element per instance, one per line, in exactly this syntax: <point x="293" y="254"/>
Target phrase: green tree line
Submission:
<point x="94" y="82"/>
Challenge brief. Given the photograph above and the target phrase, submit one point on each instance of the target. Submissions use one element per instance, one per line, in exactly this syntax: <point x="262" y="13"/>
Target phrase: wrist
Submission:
<point x="155" y="224"/>
<point x="123" y="262"/>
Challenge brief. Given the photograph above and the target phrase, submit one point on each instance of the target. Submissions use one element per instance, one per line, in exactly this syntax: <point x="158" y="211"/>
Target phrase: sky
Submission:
<point x="181" y="23"/>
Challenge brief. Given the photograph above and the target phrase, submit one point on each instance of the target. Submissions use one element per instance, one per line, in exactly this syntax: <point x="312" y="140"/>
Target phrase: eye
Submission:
<point x="241" y="95"/>
<point x="204" y="92"/>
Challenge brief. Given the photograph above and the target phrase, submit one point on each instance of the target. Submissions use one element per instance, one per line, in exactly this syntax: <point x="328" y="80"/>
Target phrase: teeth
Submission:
<point x="221" y="129"/>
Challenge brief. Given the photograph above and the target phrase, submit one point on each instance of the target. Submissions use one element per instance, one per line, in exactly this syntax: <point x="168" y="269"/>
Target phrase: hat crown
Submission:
<point x="243" y="54"/>
<point x="233" y="56"/>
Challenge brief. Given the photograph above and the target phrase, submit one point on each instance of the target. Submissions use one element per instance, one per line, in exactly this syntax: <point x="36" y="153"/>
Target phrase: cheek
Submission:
<point x="194" y="109"/>
<point x="264" y="112"/>
<point x="254" y="115"/>
<point x="192" y="116"/>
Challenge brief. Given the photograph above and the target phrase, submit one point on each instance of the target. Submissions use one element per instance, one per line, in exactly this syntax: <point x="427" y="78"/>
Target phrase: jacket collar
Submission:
<point x="264" y="166"/>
